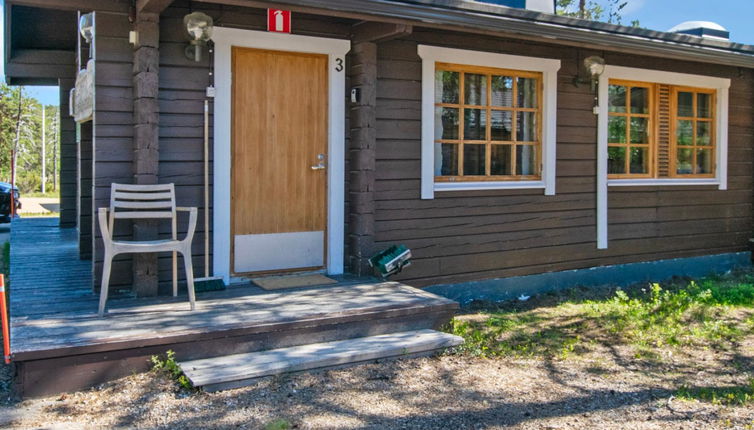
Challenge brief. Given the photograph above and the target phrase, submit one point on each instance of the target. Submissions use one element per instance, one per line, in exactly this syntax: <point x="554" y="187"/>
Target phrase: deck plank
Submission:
<point x="237" y="370"/>
<point x="53" y="308"/>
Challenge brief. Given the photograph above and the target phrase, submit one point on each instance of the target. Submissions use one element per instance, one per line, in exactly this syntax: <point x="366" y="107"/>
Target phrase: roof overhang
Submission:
<point x="484" y="18"/>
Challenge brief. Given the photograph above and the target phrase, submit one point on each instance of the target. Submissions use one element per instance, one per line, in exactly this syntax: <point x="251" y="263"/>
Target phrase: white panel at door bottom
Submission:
<point x="278" y="251"/>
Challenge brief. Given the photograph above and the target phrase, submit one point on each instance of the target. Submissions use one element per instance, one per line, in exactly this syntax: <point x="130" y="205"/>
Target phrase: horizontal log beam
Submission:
<point x="152" y="6"/>
<point x="83" y="5"/>
<point x="371" y="31"/>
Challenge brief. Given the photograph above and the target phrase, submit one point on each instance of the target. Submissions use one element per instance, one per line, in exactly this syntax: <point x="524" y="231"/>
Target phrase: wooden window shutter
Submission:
<point x="663" y="131"/>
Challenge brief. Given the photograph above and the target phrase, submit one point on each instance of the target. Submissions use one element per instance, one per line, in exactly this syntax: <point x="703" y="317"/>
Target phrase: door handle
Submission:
<point x="321" y="164"/>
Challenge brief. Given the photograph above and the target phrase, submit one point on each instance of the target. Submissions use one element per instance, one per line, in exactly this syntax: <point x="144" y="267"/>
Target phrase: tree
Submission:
<point x="594" y="10"/>
<point x="20" y="139"/>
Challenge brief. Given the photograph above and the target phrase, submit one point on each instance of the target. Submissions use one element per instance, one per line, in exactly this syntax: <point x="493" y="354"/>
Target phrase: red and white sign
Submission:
<point x="279" y="21"/>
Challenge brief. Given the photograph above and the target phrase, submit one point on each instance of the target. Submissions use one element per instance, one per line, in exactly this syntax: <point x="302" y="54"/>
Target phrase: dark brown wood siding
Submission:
<point x="68" y="170"/>
<point x="181" y="102"/>
<point x="462" y="236"/>
<point x="113" y="130"/>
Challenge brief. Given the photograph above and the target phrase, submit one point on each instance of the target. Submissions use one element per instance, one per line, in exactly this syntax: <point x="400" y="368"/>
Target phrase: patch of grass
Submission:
<point x="51" y="194"/>
<point x="742" y="395"/>
<point x="705" y="313"/>
<point x="278" y="424"/>
<point x="171" y="368"/>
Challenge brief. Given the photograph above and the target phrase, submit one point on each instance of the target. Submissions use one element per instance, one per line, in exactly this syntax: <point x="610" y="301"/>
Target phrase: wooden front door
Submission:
<point x="279" y="160"/>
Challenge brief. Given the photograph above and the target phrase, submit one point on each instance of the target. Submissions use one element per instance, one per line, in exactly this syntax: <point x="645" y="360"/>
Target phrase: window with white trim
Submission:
<point x="488" y="121"/>
<point x="660" y="131"/>
<point x="487" y="125"/>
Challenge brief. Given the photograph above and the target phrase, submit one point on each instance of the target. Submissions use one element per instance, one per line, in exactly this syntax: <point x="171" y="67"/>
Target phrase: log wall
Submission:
<point x="461" y="236"/>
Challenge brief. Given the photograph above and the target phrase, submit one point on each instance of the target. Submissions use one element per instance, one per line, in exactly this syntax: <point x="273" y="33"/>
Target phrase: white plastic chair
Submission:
<point x="146" y="202"/>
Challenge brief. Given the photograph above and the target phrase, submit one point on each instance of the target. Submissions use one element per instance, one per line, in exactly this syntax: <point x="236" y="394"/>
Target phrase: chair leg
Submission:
<point x="175" y="274"/>
<point x="189" y="278"/>
<point x="108" y="261"/>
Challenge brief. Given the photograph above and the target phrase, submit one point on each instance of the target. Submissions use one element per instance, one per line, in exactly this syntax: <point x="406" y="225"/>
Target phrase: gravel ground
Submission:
<point x="602" y="389"/>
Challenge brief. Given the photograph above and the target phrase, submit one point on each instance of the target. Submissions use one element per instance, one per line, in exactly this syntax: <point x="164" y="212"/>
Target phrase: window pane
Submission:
<point x="502" y="91"/>
<point x="446" y="159"/>
<point x="475" y="87"/>
<point x="639" y="100"/>
<point x="527" y="92"/>
<point x="616" y="129"/>
<point x="446" y="123"/>
<point x="639" y="128"/>
<point x="704" y="105"/>
<point x="685" y="104"/>
<point x="617" y="98"/>
<point x="446" y="87"/>
<point x="616" y="160"/>
<point x="502" y="125"/>
<point x="684" y="162"/>
<point x="639" y="160"/>
<point x="473" y="160"/>
<point x="526" y="127"/>
<point x="684" y="132"/>
<point x="526" y="160"/>
<point x="500" y="160"/>
<point x="703" y="132"/>
<point x="703" y="161"/>
<point x="474" y="124"/>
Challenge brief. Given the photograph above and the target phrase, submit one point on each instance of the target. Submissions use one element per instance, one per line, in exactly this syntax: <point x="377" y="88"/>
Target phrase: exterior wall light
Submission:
<point x="199" y="29"/>
<point x="594" y="67"/>
<point x="86" y="27"/>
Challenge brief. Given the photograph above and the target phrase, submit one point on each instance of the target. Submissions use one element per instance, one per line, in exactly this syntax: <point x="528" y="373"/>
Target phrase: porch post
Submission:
<point x="363" y="118"/>
<point x="68" y="164"/>
<point x="146" y="141"/>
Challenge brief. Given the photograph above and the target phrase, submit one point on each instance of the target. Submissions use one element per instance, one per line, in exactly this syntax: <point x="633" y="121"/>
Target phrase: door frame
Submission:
<point x="335" y="49"/>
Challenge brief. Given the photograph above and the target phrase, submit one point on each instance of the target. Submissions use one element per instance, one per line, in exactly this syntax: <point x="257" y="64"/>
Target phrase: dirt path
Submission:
<point x="607" y="389"/>
<point x="39" y="205"/>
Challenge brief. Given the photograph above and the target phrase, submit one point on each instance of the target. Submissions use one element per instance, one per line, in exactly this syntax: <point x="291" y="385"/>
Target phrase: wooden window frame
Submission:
<point x="430" y="55"/>
<point x="488" y="142"/>
<point x="721" y="86"/>
<point x="712" y="120"/>
<point x="652" y="131"/>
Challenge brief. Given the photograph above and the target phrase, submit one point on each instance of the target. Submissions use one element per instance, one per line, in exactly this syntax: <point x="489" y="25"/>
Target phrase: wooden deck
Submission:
<point x="60" y="344"/>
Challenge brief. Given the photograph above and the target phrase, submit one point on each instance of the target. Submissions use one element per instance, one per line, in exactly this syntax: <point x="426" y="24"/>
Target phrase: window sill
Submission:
<point x="661" y="182"/>
<point x="482" y="185"/>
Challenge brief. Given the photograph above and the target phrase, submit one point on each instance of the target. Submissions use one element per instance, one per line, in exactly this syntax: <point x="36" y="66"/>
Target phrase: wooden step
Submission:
<point x="238" y="370"/>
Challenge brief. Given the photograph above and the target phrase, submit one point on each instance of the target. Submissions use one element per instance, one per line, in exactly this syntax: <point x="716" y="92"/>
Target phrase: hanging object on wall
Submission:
<point x="81" y="97"/>
<point x="199" y="29"/>
<point x="278" y="21"/>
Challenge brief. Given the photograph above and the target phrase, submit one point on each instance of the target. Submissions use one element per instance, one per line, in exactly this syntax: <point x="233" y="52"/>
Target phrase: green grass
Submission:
<point x="171" y="368"/>
<point x="711" y="312"/>
<point x="51" y="194"/>
<point x="742" y="395"/>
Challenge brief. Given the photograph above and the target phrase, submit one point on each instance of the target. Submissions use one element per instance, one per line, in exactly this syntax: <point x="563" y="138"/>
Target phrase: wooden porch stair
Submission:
<point x="238" y="370"/>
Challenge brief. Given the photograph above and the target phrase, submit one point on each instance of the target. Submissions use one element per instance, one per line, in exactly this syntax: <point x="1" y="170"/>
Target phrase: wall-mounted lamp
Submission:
<point x="86" y="27"/>
<point x="199" y="29"/>
<point x="595" y="67"/>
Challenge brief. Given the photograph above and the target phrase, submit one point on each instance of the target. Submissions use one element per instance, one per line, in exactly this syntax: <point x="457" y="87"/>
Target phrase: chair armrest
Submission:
<point x="193" y="214"/>
<point x="103" y="225"/>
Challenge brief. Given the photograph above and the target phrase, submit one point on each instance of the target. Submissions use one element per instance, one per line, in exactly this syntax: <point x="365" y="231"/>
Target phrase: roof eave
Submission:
<point x="479" y="20"/>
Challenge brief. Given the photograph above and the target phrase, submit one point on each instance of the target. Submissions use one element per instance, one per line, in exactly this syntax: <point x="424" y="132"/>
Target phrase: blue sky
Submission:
<point x="735" y="15"/>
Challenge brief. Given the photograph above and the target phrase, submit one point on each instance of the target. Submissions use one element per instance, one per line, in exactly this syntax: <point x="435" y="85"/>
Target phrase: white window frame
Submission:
<point x="431" y="55"/>
<point x="721" y="87"/>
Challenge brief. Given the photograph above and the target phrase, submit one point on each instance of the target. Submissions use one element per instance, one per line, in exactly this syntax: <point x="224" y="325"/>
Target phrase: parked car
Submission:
<point x="5" y="199"/>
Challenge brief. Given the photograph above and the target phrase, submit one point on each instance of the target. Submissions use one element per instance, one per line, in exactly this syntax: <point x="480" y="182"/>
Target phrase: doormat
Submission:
<point x="298" y="281"/>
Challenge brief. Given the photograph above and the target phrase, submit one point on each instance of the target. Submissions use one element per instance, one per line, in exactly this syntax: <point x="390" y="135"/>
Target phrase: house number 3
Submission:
<point x="338" y="64"/>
